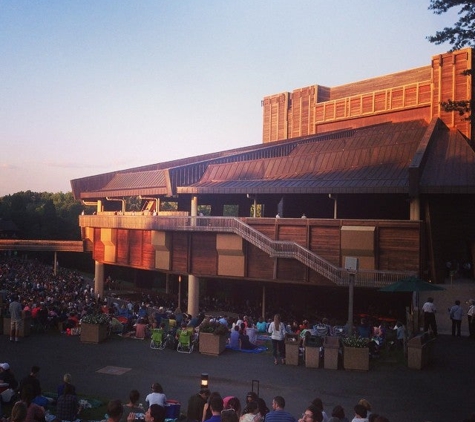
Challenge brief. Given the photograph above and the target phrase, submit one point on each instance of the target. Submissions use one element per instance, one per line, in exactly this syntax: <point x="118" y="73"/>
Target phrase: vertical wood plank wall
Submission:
<point x="419" y="92"/>
<point x="397" y="247"/>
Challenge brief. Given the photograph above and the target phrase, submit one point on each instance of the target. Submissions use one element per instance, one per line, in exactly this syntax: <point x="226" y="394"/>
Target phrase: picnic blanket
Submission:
<point x="259" y="349"/>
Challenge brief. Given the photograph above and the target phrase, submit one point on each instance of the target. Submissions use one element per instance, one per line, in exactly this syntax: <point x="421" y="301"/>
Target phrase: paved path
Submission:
<point x="443" y="391"/>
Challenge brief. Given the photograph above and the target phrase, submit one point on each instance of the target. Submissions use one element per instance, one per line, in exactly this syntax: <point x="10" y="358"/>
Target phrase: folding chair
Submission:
<point x="185" y="344"/>
<point x="157" y="341"/>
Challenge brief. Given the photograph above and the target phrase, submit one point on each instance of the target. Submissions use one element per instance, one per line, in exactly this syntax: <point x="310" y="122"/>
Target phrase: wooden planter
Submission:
<point x="93" y="333"/>
<point x="356" y="358"/>
<point x="25" y="329"/>
<point x="211" y="344"/>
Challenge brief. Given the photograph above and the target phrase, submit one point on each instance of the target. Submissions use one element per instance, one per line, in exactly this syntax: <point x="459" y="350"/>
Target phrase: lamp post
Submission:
<point x="351" y="265"/>
<point x="179" y="291"/>
<point x="204" y="380"/>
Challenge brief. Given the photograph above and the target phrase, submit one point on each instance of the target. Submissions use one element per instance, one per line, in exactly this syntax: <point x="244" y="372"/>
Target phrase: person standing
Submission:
<point x="278" y="413"/>
<point x="277" y="334"/>
<point x="216" y="406"/>
<point x="471" y="318"/>
<point x="456" y="314"/>
<point x="15" y="310"/>
<point x="429" y="310"/>
<point x="196" y="403"/>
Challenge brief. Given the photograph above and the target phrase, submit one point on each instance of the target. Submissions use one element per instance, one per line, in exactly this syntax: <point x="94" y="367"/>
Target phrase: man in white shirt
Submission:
<point x="429" y="316"/>
<point x="456" y="314"/>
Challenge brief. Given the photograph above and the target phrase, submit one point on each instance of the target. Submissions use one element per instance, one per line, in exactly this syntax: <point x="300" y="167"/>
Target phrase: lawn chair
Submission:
<point x="157" y="339"/>
<point x="185" y="342"/>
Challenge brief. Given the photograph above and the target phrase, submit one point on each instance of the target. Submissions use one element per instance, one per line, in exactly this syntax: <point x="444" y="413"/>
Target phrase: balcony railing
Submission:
<point x="275" y="248"/>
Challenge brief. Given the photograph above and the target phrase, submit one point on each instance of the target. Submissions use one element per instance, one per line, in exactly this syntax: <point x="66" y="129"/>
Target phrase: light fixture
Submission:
<point x="204" y="380"/>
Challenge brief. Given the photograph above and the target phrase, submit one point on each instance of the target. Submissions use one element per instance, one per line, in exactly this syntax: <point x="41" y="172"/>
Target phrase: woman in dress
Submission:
<point x="277" y="334"/>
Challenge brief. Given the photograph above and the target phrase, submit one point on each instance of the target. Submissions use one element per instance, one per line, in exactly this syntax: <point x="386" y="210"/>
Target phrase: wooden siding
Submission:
<point x="275" y="110"/>
<point x="204" y="257"/>
<point x="295" y="233"/>
<point x="290" y="270"/>
<point x="98" y="250"/>
<point x="148" y="253"/>
<point x="259" y="265"/>
<point x="123" y="246"/>
<point x="136" y="248"/>
<point x="309" y="108"/>
<point x="180" y="252"/>
<point x="325" y="241"/>
<point x="397" y="247"/>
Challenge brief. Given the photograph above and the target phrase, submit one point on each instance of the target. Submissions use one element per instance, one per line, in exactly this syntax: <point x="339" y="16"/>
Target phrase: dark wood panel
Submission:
<point x="259" y="264"/>
<point x="291" y="270"/>
<point x="398" y="248"/>
<point x="204" y="257"/>
<point x="135" y="242"/>
<point x="180" y="252"/>
<point x="325" y="241"/>
<point x="123" y="247"/>
<point x="148" y="252"/>
<point x="98" y="253"/>
<point x="296" y="234"/>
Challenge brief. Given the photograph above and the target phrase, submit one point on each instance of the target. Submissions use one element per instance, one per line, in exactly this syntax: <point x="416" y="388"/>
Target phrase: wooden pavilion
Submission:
<point x="380" y="171"/>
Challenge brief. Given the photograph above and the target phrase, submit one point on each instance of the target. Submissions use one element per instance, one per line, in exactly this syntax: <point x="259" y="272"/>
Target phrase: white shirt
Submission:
<point x="429" y="307"/>
<point x="156" y="398"/>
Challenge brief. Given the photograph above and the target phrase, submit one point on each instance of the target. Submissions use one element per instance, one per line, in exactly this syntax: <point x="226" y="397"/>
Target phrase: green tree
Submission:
<point x="43" y="215"/>
<point x="462" y="33"/>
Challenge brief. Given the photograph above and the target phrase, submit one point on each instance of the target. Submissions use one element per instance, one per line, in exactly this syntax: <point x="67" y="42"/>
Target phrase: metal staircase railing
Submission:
<point x="275" y="248"/>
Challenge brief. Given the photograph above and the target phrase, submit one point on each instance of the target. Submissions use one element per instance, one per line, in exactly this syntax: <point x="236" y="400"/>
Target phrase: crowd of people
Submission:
<point x="61" y="300"/>
<point x="30" y="405"/>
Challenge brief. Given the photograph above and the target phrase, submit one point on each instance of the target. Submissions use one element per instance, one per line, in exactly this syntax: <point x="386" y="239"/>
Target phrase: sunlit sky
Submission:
<point x="89" y="87"/>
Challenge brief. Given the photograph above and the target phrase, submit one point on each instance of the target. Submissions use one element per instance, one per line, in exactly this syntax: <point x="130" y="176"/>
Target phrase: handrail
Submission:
<point x="275" y="248"/>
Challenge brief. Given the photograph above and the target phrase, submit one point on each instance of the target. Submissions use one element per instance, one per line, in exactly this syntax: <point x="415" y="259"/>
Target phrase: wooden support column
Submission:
<point x="99" y="279"/>
<point x="415" y="209"/>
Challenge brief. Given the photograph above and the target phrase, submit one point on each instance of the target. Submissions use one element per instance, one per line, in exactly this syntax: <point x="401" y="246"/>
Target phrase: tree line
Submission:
<point x="43" y="215"/>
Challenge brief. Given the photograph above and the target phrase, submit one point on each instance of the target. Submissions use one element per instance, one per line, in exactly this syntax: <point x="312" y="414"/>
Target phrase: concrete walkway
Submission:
<point x="443" y="391"/>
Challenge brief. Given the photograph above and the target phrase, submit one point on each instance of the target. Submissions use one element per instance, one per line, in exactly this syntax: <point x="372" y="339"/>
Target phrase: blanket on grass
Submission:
<point x="259" y="349"/>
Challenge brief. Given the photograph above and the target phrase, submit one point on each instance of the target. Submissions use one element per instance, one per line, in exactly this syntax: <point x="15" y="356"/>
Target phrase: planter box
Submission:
<point x="25" y="329"/>
<point x="93" y="333"/>
<point x="211" y="344"/>
<point x="291" y="344"/>
<point x="331" y="352"/>
<point x="312" y="357"/>
<point x="356" y="358"/>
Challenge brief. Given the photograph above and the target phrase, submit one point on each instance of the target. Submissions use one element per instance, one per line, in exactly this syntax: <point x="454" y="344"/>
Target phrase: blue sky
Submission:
<point x="88" y="87"/>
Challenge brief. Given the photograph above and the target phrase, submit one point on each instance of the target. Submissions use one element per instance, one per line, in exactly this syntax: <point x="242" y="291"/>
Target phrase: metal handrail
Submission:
<point x="275" y="248"/>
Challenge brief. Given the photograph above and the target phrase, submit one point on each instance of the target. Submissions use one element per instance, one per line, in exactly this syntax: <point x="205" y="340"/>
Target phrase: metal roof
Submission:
<point x="405" y="157"/>
<point x="374" y="159"/>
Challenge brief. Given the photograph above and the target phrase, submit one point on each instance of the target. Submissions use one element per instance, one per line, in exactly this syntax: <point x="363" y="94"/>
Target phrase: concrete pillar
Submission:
<point x="193" y="295"/>
<point x="194" y="206"/>
<point x="99" y="279"/>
